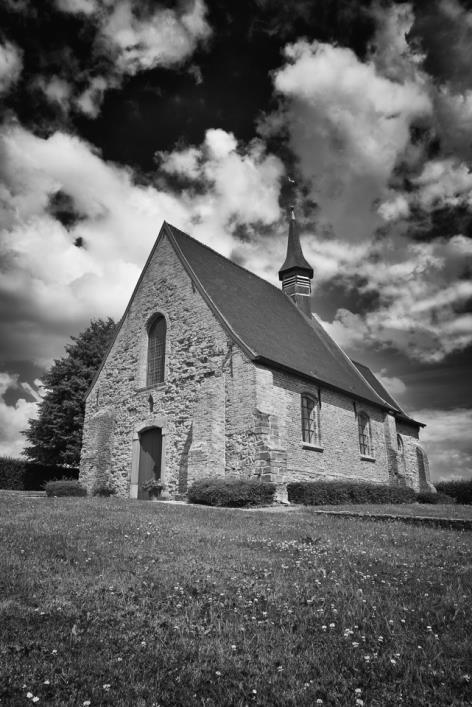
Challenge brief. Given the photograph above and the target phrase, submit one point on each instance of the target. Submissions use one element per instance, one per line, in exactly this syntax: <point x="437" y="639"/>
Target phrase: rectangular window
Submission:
<point x="156" y="352"/>
<point x="310" y="420"/>
<point x="365" y="435"/>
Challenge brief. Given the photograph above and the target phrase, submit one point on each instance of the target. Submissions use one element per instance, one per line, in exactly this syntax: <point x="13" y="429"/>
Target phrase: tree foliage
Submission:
<point x="55" y="436"/>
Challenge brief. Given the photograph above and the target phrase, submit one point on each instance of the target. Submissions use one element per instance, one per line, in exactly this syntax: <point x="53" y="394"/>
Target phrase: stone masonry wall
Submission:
<point x="287" y="458"/>
<point x="197" y="348"/>
<point x="241" y="437"/>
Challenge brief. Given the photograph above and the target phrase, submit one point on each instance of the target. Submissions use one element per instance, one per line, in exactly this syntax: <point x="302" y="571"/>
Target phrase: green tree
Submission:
<point x="55" y="436"/>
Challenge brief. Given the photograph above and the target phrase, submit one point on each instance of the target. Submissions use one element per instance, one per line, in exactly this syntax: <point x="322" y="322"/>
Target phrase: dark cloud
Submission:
<point x="341" y="292"/>
<point x="61" y="207"/>
<point x="442" y="222"/>
<point x="444" y="29"/>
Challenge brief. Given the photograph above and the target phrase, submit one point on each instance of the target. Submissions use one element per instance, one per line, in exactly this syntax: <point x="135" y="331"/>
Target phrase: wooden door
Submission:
<point x="150" y="454"/>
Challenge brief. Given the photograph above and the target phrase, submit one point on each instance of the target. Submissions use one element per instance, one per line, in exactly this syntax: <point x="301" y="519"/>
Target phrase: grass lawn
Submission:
<point x="106" y="601"/>
<point x="448" y="510"/>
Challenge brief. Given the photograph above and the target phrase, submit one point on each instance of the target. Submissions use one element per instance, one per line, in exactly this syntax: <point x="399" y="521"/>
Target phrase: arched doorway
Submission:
<point x="150" y="458"/>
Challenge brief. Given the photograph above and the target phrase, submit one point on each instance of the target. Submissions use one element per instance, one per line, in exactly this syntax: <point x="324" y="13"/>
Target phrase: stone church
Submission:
<point x="215" y="372"/>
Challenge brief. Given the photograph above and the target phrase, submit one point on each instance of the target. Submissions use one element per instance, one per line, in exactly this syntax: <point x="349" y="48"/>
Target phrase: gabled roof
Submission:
<point x="270" y="327"/>
<point x="267" y="325"/>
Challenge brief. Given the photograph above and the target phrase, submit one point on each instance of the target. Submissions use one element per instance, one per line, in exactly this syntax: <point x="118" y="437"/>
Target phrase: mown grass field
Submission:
<point x="116" y="602"/>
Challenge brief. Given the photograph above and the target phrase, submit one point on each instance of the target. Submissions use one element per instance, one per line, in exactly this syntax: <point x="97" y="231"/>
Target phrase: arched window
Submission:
<point x="365" y="435"/>
<point x="311" y="420"/>
<point x="401" y="455"/>
<point x="156" y="351"/>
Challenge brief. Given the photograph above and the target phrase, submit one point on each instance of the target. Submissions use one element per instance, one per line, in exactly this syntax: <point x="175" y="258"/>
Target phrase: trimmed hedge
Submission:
<point x="461" y="491"/>
<point x="65" y="487"/>
<point x="22" y="475"/>
<point x="335" y="493"/>
<point x="435" y="498"/>
<point x="231" y="492"/>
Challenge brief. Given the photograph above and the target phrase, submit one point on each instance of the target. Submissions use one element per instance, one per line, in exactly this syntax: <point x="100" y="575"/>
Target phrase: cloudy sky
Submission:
<point x="117" y="114"/>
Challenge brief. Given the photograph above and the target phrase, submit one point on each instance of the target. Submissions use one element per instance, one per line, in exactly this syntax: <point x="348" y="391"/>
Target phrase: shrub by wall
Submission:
<point x="335" y="493"/>
<point x="65" y="487"/>
<point x="231" y="492"/>
<point x="435" y="498"/>
<point x="22" y="475"/>
<point x="104" y="490"/>
<point x="461" y="491"/>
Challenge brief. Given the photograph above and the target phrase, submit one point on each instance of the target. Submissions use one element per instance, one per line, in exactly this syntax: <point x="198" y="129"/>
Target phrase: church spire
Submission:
<point x="296" y="273"/>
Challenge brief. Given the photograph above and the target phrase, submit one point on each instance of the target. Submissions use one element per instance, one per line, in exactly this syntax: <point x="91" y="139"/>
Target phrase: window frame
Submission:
<point x="156" y="354"/>
<point x="364" y="429"/>
<point x="310" y="421"/>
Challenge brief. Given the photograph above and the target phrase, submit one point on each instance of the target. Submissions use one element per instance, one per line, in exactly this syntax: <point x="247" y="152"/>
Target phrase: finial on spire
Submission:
<point x="291" y="197"/>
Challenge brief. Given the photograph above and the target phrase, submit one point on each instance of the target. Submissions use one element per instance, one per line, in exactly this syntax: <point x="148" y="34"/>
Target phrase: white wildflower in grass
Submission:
<point x="86" y="703"/>
<point x="355" y="644"/>
<point x="106" y="686"/>
<point x="217" y="673"/>
<point x="323" y="628"/>
<point x="29" y="695"/>
<point x="54" y="651"/>
<point x="359" y="703"/>
<point x="319" y="701"/>
<point x="46" y="682"/>
<point x="358" y="691"/>
<point x="35" y="699"/>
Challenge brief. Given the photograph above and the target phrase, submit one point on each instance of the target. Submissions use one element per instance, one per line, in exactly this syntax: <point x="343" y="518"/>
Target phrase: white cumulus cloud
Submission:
<point x="13" y="418"/>
<point x="11" y="65"/>
<point x="117" y="223"/>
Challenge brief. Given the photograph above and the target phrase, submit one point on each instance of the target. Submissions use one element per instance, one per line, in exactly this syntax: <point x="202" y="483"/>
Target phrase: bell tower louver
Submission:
<point x="296" y="273"/>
